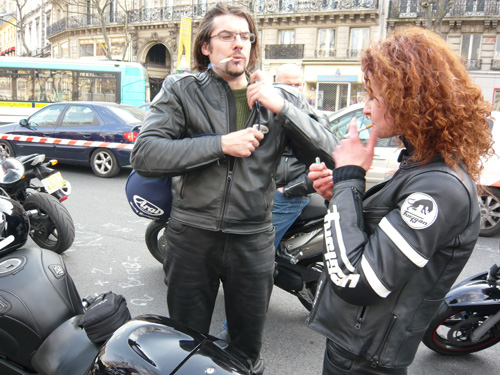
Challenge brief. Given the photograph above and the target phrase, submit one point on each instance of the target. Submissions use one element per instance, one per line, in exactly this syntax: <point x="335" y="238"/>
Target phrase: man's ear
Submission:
<point x="205" y="49"/>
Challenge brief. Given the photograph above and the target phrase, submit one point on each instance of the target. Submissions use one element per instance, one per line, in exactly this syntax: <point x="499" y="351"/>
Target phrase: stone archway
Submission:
<point x="158" y="62"/>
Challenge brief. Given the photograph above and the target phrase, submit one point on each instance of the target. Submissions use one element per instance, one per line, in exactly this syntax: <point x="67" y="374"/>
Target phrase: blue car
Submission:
<point x="88" y="133"/>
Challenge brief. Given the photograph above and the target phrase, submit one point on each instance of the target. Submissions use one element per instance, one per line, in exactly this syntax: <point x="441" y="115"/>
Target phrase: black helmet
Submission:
<point x="14" y="225"/>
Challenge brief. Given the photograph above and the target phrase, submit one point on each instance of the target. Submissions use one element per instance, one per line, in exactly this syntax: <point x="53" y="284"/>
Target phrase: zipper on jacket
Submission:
<point x="376" y="358"/>
<point x="359" y="320"/>
<point x="227" y="188"/>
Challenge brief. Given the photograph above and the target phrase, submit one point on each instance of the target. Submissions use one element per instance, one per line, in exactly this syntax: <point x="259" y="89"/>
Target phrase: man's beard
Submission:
<point x="233" y="73"/>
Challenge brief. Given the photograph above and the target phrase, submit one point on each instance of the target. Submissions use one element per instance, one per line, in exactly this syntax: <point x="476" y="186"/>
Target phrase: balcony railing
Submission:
<point x="495" y="64"/>
<point x="284" y="51"/>
<point x="321" y="52"/>
<point x="175" y="13"/>
<point x="473" y="64"/>
<point x="460" y="8"/>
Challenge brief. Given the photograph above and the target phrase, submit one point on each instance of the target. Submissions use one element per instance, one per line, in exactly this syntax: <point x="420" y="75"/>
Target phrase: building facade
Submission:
<point x="472" y="27"/>
<point x="324" y="37"/>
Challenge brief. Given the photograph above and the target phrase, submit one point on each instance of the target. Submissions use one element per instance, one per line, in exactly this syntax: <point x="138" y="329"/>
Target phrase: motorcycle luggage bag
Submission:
<point x="36" y="296"/>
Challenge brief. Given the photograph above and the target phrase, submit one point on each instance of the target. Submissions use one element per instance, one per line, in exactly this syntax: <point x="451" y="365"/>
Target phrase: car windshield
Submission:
<point x="129" y="114"/>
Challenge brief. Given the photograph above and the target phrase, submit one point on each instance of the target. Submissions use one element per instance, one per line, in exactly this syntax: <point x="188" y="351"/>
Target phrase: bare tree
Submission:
<point x="105" y="12"/>
<point x="20" y="21"/>
<point x="441" y="11"/>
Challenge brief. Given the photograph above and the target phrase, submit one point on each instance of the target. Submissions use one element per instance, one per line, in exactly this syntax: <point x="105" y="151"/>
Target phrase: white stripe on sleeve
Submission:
<point x="402" y="244"/>
<point x="373" y="280"/>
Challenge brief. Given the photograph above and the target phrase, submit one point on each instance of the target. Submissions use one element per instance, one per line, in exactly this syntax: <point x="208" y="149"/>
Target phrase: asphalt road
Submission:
<point x="109" y="253"/>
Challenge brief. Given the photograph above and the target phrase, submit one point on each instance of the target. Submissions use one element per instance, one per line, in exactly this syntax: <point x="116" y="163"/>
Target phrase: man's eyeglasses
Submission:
<point x="229" y="36"/>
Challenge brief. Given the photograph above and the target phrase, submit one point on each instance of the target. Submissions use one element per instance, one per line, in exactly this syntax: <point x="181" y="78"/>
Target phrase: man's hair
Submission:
<point x="432" y="100"/>
<point x="205" y="29"/>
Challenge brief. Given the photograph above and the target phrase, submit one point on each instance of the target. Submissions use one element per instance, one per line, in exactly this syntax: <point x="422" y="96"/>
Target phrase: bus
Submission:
<point x="27" y="84"/>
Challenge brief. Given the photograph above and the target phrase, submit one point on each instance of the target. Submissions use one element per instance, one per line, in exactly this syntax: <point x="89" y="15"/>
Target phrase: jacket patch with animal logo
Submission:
<point x="419" y="211"/>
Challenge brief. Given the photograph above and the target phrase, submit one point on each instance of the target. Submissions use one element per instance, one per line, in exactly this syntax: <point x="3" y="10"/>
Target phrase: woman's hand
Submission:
<point x="322" y="180"/>
<point x="351" y="150"/>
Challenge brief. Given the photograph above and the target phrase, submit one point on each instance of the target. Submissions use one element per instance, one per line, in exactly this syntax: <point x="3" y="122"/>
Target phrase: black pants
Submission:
<point x="197" y="260"/>
<point x="340" y="362"/>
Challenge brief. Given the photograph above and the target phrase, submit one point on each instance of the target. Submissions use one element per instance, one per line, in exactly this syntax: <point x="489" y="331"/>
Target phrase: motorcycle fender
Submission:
<point x="474" y="292"/>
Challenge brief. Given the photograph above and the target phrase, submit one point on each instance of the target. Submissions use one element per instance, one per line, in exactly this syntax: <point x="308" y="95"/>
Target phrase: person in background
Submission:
<point x="392" y="253"/>
<point x="293" y="185"/>
<point x="220" y="134"/>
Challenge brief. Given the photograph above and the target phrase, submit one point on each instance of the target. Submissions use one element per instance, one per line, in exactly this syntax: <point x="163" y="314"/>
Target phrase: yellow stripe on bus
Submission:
<point x="16" y="104"/>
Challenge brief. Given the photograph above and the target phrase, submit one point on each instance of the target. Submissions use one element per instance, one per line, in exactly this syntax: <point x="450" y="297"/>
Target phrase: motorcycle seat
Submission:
<point x="67" y="350"/>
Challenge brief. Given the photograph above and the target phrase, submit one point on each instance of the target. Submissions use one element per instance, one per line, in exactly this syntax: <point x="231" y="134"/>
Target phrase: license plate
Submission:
<point x="53" y="183"/>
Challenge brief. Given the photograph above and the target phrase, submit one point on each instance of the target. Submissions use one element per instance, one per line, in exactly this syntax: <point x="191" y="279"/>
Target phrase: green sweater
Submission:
<point x="242" y="108"/>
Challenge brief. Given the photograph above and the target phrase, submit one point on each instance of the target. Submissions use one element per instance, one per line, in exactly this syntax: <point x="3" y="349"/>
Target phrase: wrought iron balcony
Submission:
<point x="495" y="64"/>
<point x="460" y="8"/>
<point x="175" y="13"/>
<point x="284" y="51"/>
<point x="473" y="64"/>
<point x="322" y="52"/>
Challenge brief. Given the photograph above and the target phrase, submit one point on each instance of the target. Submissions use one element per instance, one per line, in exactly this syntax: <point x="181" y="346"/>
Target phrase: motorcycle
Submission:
<point x="468" y="319"/>
<point x="298" y="260"/>
<point x="43" y="326"/>
<point x="37" y="186"/>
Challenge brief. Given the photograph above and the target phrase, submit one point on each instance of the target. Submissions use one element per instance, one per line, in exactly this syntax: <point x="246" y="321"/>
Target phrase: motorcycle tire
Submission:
<point x="156" y="241"/>
<point x="307" y="294"/>
<point x="53" y="228"/>
<point x="450" y="332"/>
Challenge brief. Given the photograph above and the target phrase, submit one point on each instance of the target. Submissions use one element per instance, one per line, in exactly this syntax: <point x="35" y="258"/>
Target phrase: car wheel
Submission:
<point x="103" y="163"/>
<point x="6" y="150"/>
<point x="489" y="203"/>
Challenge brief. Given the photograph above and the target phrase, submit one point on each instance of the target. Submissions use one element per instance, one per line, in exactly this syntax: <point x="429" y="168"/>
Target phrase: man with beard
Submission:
<point x="221" y="132"/>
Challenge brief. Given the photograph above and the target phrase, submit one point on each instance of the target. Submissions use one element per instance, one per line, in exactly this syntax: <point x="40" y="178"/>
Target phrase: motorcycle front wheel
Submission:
<point x="52" y="228"/>
<point x="156" y="241"/>
<point x="450" y="332"/>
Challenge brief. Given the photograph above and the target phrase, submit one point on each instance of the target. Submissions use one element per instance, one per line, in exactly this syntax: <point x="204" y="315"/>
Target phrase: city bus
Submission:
<point x="27" y="84"/>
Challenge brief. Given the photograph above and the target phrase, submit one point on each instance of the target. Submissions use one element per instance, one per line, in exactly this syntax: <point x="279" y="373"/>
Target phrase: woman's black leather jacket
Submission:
<point x="391" y="256"/>
<point x="181" y="137"/>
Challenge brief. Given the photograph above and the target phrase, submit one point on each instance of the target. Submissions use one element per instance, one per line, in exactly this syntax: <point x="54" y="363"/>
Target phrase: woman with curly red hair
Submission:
<point x="392" y="253"/>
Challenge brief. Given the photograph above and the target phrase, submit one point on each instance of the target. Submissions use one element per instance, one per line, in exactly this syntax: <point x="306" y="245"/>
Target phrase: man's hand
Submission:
<point x="322" y="180"/>
<point x="351" y="151"/>
<point x="242" y="143"/>
<point x="262" y="90"/>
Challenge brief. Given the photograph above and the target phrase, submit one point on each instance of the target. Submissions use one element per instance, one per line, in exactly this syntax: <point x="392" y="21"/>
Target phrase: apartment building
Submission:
<point x="324" y="37"/>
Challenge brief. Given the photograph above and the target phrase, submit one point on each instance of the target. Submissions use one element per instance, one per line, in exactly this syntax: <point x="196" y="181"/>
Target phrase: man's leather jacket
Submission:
<point x="181" y="137"/>
<point x="391" y="256"/>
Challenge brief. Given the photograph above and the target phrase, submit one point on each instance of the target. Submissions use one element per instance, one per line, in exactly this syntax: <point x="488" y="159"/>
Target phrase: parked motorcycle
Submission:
<point x="37" y="186"/>
<point x="43" y="326"/>
<point x="298" y="260"/>
<point x="468" y="319"/>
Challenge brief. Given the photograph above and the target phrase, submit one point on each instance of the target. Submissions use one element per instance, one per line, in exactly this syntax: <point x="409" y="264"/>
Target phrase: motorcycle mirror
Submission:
<point x="11" y="170"/>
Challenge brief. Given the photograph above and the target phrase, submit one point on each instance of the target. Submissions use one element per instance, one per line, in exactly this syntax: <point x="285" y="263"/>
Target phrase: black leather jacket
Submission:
<point x="391" y="256"/>
<point x="292" y="174"/>
<point x="181" y="137"/>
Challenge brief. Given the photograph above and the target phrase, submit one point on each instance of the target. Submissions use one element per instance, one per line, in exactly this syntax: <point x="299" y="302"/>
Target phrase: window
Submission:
<point x="359" y="40"/>
<point x="86" y="48"/>
<point x="287" y="36"/>
<point x="47" y="116"/>
<point x="471" y="50"/>
<point x="112" y="11"/>
<point x="78" y="115"/>
<point x="497" y="46"/>
<point x="326" y="42"/>
<point x="64" y="50"/>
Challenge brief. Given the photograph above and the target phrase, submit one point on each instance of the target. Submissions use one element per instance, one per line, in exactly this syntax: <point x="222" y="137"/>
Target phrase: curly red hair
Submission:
<point x="434" y="103"/>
